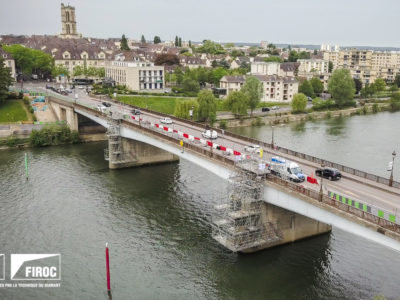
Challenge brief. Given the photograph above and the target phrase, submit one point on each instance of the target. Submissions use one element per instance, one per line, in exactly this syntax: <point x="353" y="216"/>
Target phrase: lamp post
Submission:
<point x="322" y="181"/>
<point x="272" y="139"/>
<point x="391" y="173"/>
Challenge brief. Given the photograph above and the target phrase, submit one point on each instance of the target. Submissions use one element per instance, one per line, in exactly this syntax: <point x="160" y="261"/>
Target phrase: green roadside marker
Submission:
<point x="357" y="204"/>
<point x="392" y="218"/>
<point x="381" y="214"/>
<point x="343" y="199"/>
<point x="364" y="207"/>
<point x="26" y="166"/>
<point x="337" y="197"/>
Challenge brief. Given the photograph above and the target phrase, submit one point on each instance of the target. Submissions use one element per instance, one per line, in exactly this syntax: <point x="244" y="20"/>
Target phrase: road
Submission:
<point x="358" y="189"/>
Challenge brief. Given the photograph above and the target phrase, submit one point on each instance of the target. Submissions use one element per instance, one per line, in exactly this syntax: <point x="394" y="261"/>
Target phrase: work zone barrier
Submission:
<point x="365" y="208"/>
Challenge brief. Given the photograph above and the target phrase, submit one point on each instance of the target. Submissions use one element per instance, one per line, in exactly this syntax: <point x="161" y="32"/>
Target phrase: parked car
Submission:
<point x="330" y="173"/>
<point x="275" y="107"/>
<point x="264" y="109"/>
<point x="135" y="111"/>
<point x="106" y="104"/>
<point x="252" y="148"/>
<point x="166" y="120"/>
<point x="309" y="99"/>
<point x="210" y="134"/>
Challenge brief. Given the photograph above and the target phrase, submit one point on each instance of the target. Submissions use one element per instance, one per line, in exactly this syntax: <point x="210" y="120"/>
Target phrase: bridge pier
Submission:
<point x="290" y="226"/>
<point x="136" y="154"/>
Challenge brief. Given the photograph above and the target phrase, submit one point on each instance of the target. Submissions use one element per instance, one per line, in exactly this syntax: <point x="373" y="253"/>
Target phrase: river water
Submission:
<point x="156" y="221"/>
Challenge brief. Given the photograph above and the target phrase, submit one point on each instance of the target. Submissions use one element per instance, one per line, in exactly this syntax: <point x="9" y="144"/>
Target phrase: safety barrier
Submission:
<point x="365" y="208"/>
<point x="371" y="214"/>
<point x="266" y="145"/>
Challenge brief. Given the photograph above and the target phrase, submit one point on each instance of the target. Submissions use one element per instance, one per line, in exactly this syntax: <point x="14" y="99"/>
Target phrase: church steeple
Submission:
<point x="68" y="22"/>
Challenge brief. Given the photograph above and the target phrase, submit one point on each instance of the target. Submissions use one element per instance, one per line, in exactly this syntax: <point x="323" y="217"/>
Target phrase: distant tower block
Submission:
<point x="68" y="22"/>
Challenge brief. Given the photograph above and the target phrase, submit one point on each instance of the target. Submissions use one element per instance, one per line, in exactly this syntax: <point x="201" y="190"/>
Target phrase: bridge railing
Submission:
<point x="385" y="219"/>
<point x="265" y="145"/>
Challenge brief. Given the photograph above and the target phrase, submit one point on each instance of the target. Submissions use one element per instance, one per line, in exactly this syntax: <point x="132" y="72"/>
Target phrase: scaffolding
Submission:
<point x="240" y="222"/>
<point x="114" y="152"/>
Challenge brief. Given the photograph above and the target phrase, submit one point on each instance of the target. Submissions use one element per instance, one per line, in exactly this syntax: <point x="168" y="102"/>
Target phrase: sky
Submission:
<point x="341" y="22"/>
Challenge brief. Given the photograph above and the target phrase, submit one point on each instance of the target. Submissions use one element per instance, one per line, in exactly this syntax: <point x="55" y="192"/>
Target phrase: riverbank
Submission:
<point x="287" y="117"/>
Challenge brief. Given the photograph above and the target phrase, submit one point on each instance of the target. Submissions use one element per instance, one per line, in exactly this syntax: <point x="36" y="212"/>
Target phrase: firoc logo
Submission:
<point x="35" y="266"/>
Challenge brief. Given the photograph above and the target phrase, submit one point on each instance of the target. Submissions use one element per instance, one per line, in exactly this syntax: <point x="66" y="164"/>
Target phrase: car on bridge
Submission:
<point x="252" y="149"/>
<point x="136" y="111"/>
<point x="210" y="134"/>
<point x="330" y="173"/>
<point x="106" y="104"/>
<point x="166" y="120"/>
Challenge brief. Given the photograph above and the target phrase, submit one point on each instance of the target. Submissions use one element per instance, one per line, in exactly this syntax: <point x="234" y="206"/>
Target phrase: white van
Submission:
<point x="286" y="169"/>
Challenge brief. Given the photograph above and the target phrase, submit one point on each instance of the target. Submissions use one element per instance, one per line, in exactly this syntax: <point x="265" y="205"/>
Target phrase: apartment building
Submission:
<point x="137" y="74"/>
<point x="319" y="68"/>
<point x="366" y="65"/>
<point x="275" y="88"/>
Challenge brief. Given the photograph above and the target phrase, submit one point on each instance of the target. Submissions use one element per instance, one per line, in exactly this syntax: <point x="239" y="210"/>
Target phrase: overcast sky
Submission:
<point x="343" y="22"/>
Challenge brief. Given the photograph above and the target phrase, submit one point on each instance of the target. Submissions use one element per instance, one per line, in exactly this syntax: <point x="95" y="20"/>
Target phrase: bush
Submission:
<point x="11" y="141"/>
<point x="328" y="115"/>
<point x="223" y="124"/>
<point x="257" y="122"/>
<point x="54" y="135"/>
<point x="375" y="108"/>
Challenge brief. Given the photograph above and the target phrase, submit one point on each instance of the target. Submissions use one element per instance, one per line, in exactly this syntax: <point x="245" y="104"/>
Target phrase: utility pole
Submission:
<point x="391" y="173"/>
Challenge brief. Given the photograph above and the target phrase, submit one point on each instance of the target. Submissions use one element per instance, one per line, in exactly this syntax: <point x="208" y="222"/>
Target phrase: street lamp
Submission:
<point x="272" y="139"/>
<point x="391" y="173"/>
<point x="322" y="181"/>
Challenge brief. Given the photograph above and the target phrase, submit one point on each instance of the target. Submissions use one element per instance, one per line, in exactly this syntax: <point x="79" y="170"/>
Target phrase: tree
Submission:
<point x="273" y="58"/>
<point x="357" y="85"/>
<point x="317" y="85"/>
<point x="293" y="56"/>
<point x="157" y="40"/>
<point x="176" y="41"/>
<point x="341" y="87"/>
<point x="299" y="103"/>
<point x="217" y="74"/>
<point x="380" y="85"/>
<point x="178" y="75"/>
<point x="29" y="60"/>
<point x="190" y="85"/>
<point x="5" y="80"/>
<point x="395" y="101"/>
<point x="183" y="107"/>
<point x="143" y="39"/>
<point x="78" y="71"/>
<point x="214" y="64"/>
<point x="237" y="103"/>
<point x="207" y="106"/>
<point x="124" y="44"/>
<point x="330" y="67"/>
<point x="211" y="47"/>
<point x="190" y="44"/>
<point x="304" y="55"/>
<point x="60" y="70"/>
<point x="393" y="89"/>
<point x="306" y="88"/>
<point x="166" y="59"/>
<point x="397" y="80"/>
<point x="368" y="90"/>
<point x="253" y="88"/>
<point x="180" y="42"/>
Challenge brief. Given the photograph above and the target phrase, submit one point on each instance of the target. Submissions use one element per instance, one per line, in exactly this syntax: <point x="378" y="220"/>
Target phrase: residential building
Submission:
<point x="232" y="83"/>
<point x="313" y="66"/>
<point x="275" y="88"/>
<point x="137" y="74"/>
<point x="265" y="68"/>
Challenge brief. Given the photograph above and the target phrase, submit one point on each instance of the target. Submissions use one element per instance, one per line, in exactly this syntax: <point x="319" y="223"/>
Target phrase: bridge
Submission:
<point x="260" y="210"/>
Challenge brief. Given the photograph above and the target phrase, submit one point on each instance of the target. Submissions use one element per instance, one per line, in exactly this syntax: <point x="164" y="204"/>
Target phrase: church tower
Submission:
<point x="68" y="22"/>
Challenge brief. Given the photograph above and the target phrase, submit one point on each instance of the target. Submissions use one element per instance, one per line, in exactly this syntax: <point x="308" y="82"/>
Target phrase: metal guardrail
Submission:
<point x="371" y="214"/>
<point x="263" y="144"/>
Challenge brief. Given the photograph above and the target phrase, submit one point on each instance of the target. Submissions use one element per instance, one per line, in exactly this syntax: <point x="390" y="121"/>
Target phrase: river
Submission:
<point x="156" y="221"/>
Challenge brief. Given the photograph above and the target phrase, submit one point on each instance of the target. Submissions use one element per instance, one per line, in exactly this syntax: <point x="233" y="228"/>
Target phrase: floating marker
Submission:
<point x="108" y="273"/>
<point x="26" y="166"/>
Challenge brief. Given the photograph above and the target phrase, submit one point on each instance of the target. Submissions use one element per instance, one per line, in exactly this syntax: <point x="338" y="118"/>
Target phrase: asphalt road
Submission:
<point x="361" y="189"/>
